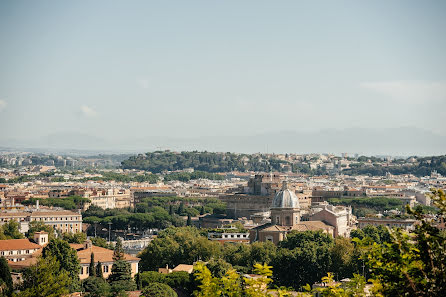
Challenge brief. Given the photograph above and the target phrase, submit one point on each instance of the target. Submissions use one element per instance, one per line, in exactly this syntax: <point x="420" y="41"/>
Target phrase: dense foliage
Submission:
<point x="67" y="258"/>
<point x="10" y="230"/>
<point x="45" y="279"/>
<point x="410" y="264"/>
<point x="160" y="161"/>
<point x="6" y="285"/>
<point x="187" y="176"/>
<point x="152" y="212"/>
<point x="361" y="205"/>
<point x="158" y="290"/>
<point x="69" y="203"/>
<point x="423" y="167"/>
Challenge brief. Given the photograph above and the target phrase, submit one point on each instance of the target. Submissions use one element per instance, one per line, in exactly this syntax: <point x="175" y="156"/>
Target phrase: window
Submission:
<point x="105" y="268"/>
<point x="87" y="270"/>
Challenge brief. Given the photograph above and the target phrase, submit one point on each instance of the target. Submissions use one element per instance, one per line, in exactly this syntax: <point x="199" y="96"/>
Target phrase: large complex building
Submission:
<point x="286" y="217"/>
<point x="62" y="220"/>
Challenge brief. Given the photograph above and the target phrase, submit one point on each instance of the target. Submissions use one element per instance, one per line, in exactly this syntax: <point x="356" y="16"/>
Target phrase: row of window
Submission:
<point x="19" y="252"/>
<point x="87" y="269"/>
<point x="57" y="219"/>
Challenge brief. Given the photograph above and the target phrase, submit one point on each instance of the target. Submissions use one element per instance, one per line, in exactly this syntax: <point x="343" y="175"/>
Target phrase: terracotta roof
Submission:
<point x="311" y="226"/>
<point x="17" y="244"/>
<point x="100" y="254"/>
<point x="184" y="267"/>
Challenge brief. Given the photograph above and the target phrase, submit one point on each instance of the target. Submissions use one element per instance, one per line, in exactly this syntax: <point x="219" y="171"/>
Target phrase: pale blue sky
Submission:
<point x="200" y="68"/>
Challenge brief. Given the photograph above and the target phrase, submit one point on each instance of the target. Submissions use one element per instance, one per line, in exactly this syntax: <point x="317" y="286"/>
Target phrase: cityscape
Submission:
<point x="222" y="149"/>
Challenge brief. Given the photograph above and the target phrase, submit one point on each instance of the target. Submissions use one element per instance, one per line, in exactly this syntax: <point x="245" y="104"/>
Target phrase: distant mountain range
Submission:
<point x="393" y="141"/>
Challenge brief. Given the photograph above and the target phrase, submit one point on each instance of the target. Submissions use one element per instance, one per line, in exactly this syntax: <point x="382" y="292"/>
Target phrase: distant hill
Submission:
<point x="223" y="162"/>
<point x="405" y="141"/>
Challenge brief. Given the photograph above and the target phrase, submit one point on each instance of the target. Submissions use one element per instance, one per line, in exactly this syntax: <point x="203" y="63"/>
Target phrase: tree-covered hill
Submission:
<point x="424" y="166"/>
<point x="203" y="161"/>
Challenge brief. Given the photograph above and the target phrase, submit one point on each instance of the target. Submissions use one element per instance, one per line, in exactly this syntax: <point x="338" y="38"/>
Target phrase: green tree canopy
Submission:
<point x="45" y="279"/>
<point x="158" y="290"/>
<point x="5" y="278"/>
<point x="67" y="259"/>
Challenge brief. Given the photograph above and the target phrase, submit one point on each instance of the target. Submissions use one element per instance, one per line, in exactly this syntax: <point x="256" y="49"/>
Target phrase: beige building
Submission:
<point x="103" y="255"/>
<point x="63" y="220"/>
<point x="405" y="224"/>
<point x="340" y="217"/>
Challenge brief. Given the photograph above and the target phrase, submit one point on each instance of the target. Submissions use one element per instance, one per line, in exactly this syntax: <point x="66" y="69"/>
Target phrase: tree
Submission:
<point x="37" y="226"/>
<point x="304" y="257"/>
<point x="171" y="212"/>
<point x="202" y="211"/>
<point x="189" y="221"/>
<point x="218" y="267"/>
<point x="181" y="208"/>
<point x="45" y="279"/>
<point x="67" y="258"/>
<point x="118" y="252"/>
<point x="5" y="278"/>
<point x="11" y="230"/>
<point x="344" y="258"/>
<point x="175" y="246"/>
<point x="120" y="278"/>
<point x="99" y="272"/>
<point x="158" y="290"/>
<point x="78" y="237"/>
<point x="411" y="263"/>
<point x="92" y="268"/>
<point x="96" y="287"/>
<point x="232" y="285"/>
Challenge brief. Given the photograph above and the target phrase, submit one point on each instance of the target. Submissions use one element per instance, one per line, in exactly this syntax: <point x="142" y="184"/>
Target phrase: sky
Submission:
<point x="134" y="69"/>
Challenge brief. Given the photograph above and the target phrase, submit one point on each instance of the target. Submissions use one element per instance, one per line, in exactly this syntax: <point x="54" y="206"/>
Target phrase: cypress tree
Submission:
<point x="181" y="208"/>
<point x="189" y="221"/>
<point x="202" y="211"/>
<point x="171" y="209"/>
<point x="99" y="270"/>
<point x="92" y="268"/>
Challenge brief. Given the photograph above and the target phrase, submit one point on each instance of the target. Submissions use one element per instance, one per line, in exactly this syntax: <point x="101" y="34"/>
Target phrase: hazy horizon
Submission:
<point x="224" y="76"/>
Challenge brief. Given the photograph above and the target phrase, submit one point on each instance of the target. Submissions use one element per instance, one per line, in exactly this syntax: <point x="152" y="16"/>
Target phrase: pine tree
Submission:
<point x="92" y="268"/>
<point x="45" y="279"/>
<point x="120" y="278"/>
<point x="5" y="276"/>
<point x="99" y="270"/>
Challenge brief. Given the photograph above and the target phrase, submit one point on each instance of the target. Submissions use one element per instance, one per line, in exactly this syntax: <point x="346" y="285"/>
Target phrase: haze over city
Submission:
<point x="295" y="76"/>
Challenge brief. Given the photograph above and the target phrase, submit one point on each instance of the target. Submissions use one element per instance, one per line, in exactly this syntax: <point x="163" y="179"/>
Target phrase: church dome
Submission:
<point x="286" y="198"/>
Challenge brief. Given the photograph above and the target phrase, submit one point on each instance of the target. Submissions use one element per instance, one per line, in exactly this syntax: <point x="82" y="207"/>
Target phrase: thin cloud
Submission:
<point x="88" y="111"/>
<point x="409" y="91"/>
<point x="3" y="104"/>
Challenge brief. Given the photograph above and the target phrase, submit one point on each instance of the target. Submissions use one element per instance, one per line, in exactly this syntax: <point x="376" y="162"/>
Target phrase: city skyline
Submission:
<point x="129" y="74"/>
